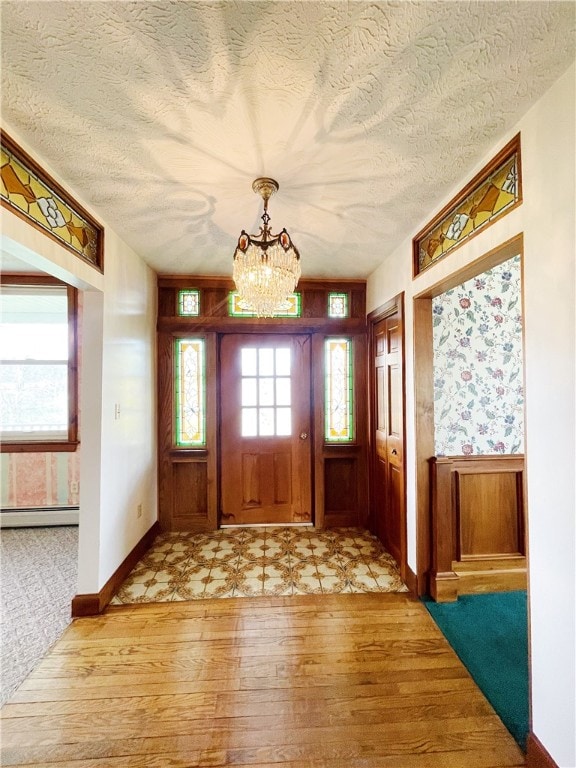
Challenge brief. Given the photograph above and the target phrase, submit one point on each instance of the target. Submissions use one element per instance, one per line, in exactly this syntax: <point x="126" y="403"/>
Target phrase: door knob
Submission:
<point x="394" y="452"/>
<point x="303" y="435"/>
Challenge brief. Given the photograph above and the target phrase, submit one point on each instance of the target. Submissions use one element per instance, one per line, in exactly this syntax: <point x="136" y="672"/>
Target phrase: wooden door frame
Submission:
<point x="424" y="392"/>
<point x="265" y="332"/>
<point x="391" y="307"/>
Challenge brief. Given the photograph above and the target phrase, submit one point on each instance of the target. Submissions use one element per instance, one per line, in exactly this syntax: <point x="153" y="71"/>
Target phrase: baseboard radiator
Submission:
<point x="478" y="525"/>
<point x="33" y="517"/>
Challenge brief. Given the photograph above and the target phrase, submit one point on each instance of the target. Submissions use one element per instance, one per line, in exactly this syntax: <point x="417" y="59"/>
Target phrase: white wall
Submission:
<point x="547" y="219"/>
<point x="118" y="467"/>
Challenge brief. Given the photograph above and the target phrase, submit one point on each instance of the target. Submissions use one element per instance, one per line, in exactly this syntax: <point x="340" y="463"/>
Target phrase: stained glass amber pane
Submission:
<point x="190" y="392"/>
<point x="189" y="303"/>
<point x="497" y="190"/>
<point x="292" y="308"/>
<point x="337" y="305"/>
<point x="338" y="405"/>
<point x="29" y="192"/>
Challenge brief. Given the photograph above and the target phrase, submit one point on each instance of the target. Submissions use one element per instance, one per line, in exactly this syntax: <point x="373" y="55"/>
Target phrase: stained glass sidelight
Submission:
<point x="189" y="303"/>
<point x="190" y="392"/>
<point x="338" y="405"/>
<point x="293" y="307"/>
<point x="337" y="305"/>
<point x="266" y="392"/>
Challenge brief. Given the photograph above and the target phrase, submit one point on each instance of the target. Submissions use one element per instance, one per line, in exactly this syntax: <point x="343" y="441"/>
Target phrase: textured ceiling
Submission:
<point x="160" y="114"/>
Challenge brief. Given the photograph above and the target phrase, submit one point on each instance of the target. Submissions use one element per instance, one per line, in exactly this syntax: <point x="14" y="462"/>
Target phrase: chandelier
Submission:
<point x="266" y="266"/>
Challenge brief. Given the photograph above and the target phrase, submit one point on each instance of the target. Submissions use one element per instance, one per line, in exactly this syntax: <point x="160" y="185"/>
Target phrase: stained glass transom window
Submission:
<point x="497" y="190"/>
<point x="189" y="303"/>
<point x="339" y="405"/>
<point x="190" y="392"/>
<point x="292" y="308"/>
<point x="337" y="305"/>
<point x="266" y="391"/>
<point x="28" y="192"/>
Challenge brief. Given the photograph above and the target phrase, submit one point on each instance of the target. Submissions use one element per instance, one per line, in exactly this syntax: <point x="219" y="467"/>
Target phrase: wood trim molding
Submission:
<point x="411" y="580"/>
<point x="424" y="431"/>
<point x="537" y="755"/>
<point x="93" y="604"/>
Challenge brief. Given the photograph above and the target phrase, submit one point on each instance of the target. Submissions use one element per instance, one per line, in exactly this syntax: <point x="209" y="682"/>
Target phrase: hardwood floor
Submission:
<point x="340" y="681"/>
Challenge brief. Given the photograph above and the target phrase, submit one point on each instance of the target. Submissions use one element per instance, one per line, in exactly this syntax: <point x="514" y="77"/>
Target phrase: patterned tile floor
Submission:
<point x="246" y="562"/>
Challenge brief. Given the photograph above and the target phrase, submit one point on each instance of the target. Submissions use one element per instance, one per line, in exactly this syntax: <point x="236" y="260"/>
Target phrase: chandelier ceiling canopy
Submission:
<point x="266" y="266"/>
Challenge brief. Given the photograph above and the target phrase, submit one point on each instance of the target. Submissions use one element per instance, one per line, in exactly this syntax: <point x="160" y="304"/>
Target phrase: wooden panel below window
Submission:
<point x="477" y="525"/>
<point x="341" y="491"/>
<point x="488" y="509"/>
<point x="190" y="508"/>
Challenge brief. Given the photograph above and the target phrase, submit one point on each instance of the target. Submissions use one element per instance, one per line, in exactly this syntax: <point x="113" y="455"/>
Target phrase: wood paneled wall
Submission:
<point x="189" y="480"/>
<point x="478" y="525"/>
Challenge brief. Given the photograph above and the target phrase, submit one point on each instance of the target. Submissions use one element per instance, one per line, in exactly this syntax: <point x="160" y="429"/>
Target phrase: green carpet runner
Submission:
<point x="490" y="635"/>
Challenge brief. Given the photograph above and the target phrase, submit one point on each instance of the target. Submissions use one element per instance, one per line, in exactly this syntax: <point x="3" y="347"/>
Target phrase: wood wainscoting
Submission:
<point x="477" y="525"/>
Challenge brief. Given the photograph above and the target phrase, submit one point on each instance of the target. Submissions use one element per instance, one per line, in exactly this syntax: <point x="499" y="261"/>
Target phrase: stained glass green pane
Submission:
<point x="190" y="392"/>
<point x="189" y="303"/>
<point x="292" y="307"/>
<point x="337" y="305"/>
<point x="339" y="424"/>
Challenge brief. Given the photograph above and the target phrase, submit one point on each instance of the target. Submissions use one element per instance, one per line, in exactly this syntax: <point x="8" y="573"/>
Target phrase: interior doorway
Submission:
<point x="425" y="393"/>
<point x="265" y="435"/>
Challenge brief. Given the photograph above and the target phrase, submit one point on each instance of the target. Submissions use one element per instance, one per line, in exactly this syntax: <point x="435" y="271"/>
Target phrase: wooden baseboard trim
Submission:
<point x="410" y="579"/>
<point x="93" y="604"/>
<point x="478" y="582"/>
<point x="536" y="754"/>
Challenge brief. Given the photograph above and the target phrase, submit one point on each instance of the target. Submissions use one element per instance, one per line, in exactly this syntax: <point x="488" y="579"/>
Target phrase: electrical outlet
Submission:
<point x="139" y="510"/>
<point x="74" y="487"/>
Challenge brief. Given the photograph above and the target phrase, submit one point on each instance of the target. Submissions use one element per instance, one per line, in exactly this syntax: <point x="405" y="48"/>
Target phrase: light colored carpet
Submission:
<point x="38" y="581"/>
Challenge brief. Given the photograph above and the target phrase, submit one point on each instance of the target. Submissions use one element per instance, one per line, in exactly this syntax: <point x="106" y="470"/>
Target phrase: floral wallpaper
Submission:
<point x="39" y="480"/>
<point x="478" y="365"/>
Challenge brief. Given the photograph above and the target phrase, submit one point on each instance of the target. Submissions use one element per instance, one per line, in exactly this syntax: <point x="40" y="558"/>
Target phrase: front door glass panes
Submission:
<point x="265" y="392"/>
